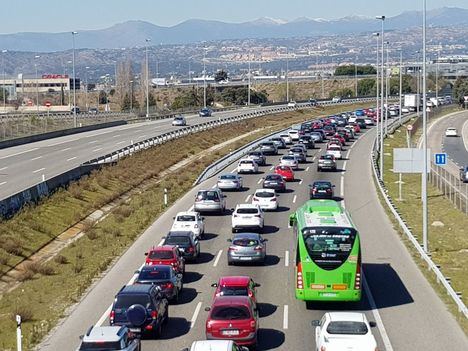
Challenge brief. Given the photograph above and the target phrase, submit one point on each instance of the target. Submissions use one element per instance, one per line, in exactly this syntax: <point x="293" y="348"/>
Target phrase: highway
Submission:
<point x="408" y="312"/>
<point x="23" y="166"/>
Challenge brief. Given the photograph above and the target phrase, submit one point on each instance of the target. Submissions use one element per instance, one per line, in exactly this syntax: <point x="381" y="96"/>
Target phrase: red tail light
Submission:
<point x="258" y="248"/>
<point x="273" y="200"/>
<point x="329" y="190"/>
<point x="168" y="285"/>
<point x="112" y="316"/>
<point x="208" y="326"/>
<point x="253" y="325"/>
<point x="191" y="249"/>
<point x="299" y="281"/>
<point x="154" y="314"/>
<point x="232" y="249"/>
<point x="357" y="282"/>
<point x="250" y="293"/>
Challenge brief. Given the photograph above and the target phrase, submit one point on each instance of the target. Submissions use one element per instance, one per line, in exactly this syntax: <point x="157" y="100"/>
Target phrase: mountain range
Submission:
<point x="134" y="33"/>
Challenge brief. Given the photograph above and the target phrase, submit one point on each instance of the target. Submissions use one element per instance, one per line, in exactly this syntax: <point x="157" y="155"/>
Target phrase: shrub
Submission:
<point x="45" y="269"/>
<point x="24" y="311"/>
<point x="12" y="247"/>
<point x="60" y="259"/>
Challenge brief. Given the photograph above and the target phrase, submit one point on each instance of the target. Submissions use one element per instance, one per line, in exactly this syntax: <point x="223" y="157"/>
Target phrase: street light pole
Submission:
<point x="86" y="89"/>
<point x="37" y="85"/>
<point x="355" y="77"/>
<point x="287" y="75"/>
<point x="401" y="84"/>
<point x="377" y="92"/>
<point x="248" y="93"/>
<point x="382" y="18"/>
<point x="147" y="79"/>
<point x="204" y="77"/>
<point x="131" y="96"/>
<point x="424" y="175"/>
<point x="74" y="81"/>
<point x="387" y="84"/>
<point x="4" y="78"/>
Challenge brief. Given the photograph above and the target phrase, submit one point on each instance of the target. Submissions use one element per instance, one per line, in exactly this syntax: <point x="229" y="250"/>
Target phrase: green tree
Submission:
<point x="102" y="97"/>
<point x="151" y="100"/>
<point x="3" y="93"/>
<point x="220" y="76"/>
<point x="367" y="87"/>
<point x="351" y="70"/>
<point x="460" y="89"/>
<point x="344" y="93"/>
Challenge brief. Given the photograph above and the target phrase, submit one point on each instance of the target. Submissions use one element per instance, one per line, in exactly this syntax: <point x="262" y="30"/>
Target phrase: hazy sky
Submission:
<point x="65" y="15"/>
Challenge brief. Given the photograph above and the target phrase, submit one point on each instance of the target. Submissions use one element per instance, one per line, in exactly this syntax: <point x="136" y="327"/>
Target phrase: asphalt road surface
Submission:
<point x="409" y="315"/>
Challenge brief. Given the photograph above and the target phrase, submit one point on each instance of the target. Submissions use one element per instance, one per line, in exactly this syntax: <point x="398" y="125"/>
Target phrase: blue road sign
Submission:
<point x="440" y="159"/>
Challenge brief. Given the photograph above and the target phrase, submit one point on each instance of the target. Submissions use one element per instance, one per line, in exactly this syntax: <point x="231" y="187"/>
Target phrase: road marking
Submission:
<point x="120" y="142"/>
<point x="38" y="170"/>
<point x="19" y="153"/>
<point x="71" y="158"/>
<point x="3" y="168"/>
<point x="191" y="208"/>
<point x="343" y="203"/>
<point x="235" y="169"/>
<point x="286" y="258"/>
<point x="259" y="181"/>
<point x="104" y="316"/>
<point x="375" y="313"/>
<point x="248" y="198"/>
<point x="36" y="158"/>
<point x="116" y="136"/>
<point x="92" y="142"/>
<point x="66" y="149"/>
<point x="195" y="315"/>
<point x="344" y="165"/>
<point x="301" y="181"/>
<point x="307" y="169"/>
<point x="285" y="317"/>
<point x="141" y="136"/>
<point x="294" y="199"/>
<point x="161" y="242"/>
<point x="218" y="256"/>
<point x="3" y="183"/>
<point x="342" y="186"/>
<point x="347" y="154"/>
<point x="272" y="168"/>
<point x="99" y="148"/>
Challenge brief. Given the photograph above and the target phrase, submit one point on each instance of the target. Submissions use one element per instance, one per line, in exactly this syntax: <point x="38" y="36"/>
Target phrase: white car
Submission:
<point x="336" y="99"/>
<point x="189" y="221"/>
<point x="344" y="331"/>
<point x="218" y="345"/>
<point x="368" y="121"/>
<point x="247" y="216"/>
<point x="451" y="132"/>
<point x="294" y="135"/>
<point x="286" y="138"/>
<point x="289" y="160"/>
<point x="266" y="199"/>
<point x="179" y="121"/>
<point x="335" y="150"/>
<point x="405" y="110"/>
<point x="352" y="119"/>
<point x="247" y="165"/>
<point x="292" y="104"/>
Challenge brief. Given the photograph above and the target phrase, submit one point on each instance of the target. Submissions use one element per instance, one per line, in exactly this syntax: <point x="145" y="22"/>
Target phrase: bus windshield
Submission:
<point x="329" y="247"/>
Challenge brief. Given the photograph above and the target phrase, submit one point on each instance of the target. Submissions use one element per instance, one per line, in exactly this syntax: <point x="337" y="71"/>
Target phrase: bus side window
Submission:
<point x="298" y="256"/>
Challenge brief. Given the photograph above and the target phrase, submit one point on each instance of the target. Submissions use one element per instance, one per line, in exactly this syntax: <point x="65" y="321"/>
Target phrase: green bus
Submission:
<point x="328" y="254"/>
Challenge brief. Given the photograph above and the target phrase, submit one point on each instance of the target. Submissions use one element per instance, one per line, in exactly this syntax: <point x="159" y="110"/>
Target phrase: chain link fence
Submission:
<point x="450" y="186"/>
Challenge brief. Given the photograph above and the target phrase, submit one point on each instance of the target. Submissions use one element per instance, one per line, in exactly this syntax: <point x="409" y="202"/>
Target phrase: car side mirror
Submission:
<point x="224" y="196"/>
<point x="203" y="218"/>
<point x="232" y="209"/>
<point x="179" y="275"/>
<point x="137" y="272"/>
<point x="372" y="324"/>
<point x="257" y="285"/>
<point x="146" y="254"/>
<point x="186" y="349"/>
<point x="214" y="285"/>
<point x="163" y="237"/>
<point x="244" y="348"/>
<point x="81" y="337"/>
<point x="173" y="217"/>
<point x="207" y="309"/>
<point x="333" y="186"/>
<point x="315" y="323"/>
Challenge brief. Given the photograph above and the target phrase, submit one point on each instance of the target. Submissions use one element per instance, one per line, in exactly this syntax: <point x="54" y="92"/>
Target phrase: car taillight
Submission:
<point x="274" y="199"/>
<point x="299" y="281"/>
<point x="154" y="314"/>
<point x="323" y="348"/>
<point x="250" y="293"/>
<point x="329" y="190"/>
<point x="232" y="249"/>
<point x="357" y="282"/>
<point x="208" y="326"/>
<point x="190" y="249"/>
<point x="258" y="248"/>
<point x="253" y="325"/>
<point x="150" y="263"/>
<point x="168" y="285"/>
<point x="112" y="316"/>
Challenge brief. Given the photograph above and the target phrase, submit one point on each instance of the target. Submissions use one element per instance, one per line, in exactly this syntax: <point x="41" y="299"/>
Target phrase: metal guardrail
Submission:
<point x="424" y="256"/>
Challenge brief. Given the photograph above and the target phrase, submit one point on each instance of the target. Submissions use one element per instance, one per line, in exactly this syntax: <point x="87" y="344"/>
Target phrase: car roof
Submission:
<point x="231" y="300"/>
<point x="212" y="345"/>
<point x="247" y="206"/>
<point x="135" y="289"/>
<point x="266" y="190"/>
<point x="322" y="182"/>
<point x="163" y="248"/>
<point x="159" y="267"/>
<point x="246" y="236"/>
<point x="180" y="233"/>
<point x="186" y="213"/>
<point x="105" y="333"/>
<point x="347" y="316"/>
<point x="235" y="280"/>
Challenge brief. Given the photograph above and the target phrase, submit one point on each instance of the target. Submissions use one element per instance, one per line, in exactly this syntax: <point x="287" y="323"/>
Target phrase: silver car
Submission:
<point x="212" y="200"/>
<point x="229" y="182"/>
<point x="299" y="153"/>
<point x="269" y="148"/>
<point x="179" y="121"/>
<point x="258" y="157"/>
<point x="247" y="247"/>
<point x="116" y="338"/>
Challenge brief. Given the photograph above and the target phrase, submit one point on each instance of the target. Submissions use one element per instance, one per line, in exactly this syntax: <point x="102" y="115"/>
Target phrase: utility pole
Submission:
<point x="424" y="175"/>
<point x="379" y="114"/>
<point x="387" y="86"/>
<point x="248" y="93"/>
<point x="74" y="81"/>
<point x="86" y="89"/>
<point x="355" y="77"/>
<point x="287" y="75"/>
<point x="384" y="112"/>
<point x="401" y="85"/>
<point x="204" y="77"/>
<point x="131" y="96"/>
<point x="147" y="79"/>
<point x="4" y="78"/>
<point x="37" y="85"/>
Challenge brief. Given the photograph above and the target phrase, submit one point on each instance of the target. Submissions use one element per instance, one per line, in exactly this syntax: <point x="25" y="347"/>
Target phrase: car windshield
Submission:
<point x="100" y="346"/>
<point x="273" y="177"/>
<point x="125" y="301"/>
<point x="246" y="162"/>
<point x="322" y="185"/>
<point x="162" y="255"/>
<point x="296" y="150"/>
<point x="264" y="194"/>
<point x="207" y="195"/>
<point x="329" y="247"/>
<point x="154" y="273"/>
<point x="177" y="240"/>
<point x="326" y="157"/>
<point x="228" y="177"/>
<point x="245" y="242"/>
<point x="230" y="313"/>
<point x="334" y="148"/>
<point x="186" y="218"/>
<point x="267" y="144"/>
<point x="255" y="154"/>
<point x="289" y="158"/>
<point x="347" y="327"/>
<point x="247" y="210"/>
<point x="234" y="291"/>
<point x="283" y="168"/>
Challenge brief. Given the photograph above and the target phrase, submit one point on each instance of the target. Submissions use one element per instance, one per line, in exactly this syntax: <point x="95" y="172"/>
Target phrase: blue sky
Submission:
<point x="66" y="15"/>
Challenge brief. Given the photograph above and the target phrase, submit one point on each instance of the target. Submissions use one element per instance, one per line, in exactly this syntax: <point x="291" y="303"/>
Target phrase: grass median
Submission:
<point x="448" y="242"/>
<point x="50" y="288"/>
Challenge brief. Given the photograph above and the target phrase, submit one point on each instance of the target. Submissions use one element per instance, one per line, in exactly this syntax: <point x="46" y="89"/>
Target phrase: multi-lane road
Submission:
<point x="408" y="312"/>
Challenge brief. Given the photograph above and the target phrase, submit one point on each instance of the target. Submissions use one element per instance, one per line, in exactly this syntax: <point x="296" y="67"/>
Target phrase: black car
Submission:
<point x="308" y="141"/>
<point x="321" y="190"/>
<point x="188" y="244"/>
<point x="329" y="130"/>
<point x="361" y="123"/>
<point x="464" y="174"/>
<point x="163" y="276"/>
<point x="205" y="112"/>
<point x="274" y="181"/>
<point x="142" y="308"/>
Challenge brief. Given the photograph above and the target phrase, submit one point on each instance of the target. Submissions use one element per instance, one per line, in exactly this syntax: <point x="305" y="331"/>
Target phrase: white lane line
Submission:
<point x="38" y="170"/>
<point x="66" y="149"/>
<point x="376" y="314"/>
<point x="3" y="183"/>
<point x="195" y="315"/>
<point x="218" y="256"/>
<point x="307" y="169"/>
<point x="3" y="168"/>
<point x="161" y="242"/>
<point x="286" y="258"/>
<point x="343" y="204"/>
<point x="285" y="317"/>
<point x="191" y="208"/>
<point x="18" y="153"/>
<point x="301" y="181"/>
<point x="116" y="136"/>
<point x="344" y="165"/>
<point x="120" y="142"/>
<point x="248" y="198"/>
<point x="342" y="186"/>
<point x="104" y="316"/>
<point x="71" y="158"/>
<point x="272" y="168"/>
<point x="294" y="199"/>
<point x="235" y="169"/>
<point x="347" y="154"/>
<point x="259" y="181"/>
<point x="36" y="158"/>
<point x="92" y="142"/>
<point x="141" y="136"/>
<point x="313" y="159"/>
<point x="99" y="148"/>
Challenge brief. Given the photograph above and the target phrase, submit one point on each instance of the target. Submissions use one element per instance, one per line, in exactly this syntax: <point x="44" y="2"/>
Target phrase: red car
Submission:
<point x="167" y="255"/>
<point x="356" y="127"/>
<point x="286" y="172"/>
<point x="236" y="286"/>
<point x="340" y="138"/>
<point x="233" y="318"/>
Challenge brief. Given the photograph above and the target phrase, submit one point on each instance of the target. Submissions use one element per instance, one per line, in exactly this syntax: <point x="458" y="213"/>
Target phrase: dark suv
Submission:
<point x="142" y="308"/>
<point x="188" y="244"/>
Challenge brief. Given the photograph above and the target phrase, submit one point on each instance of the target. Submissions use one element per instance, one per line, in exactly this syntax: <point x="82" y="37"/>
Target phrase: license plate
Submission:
<point x="322" y="191"/>
<point x="328" y="294"/>
<point x="230" y="332"/>
<point x="245" y="258"/>
<point x="135" y="330"/>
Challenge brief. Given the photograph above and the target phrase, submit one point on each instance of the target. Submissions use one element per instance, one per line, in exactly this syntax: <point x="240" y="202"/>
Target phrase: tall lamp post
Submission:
<point x="382" y="18"/>
<point x="147" y="79"/>
<point x="37" y="85"/>
<point x="401" y="85"/>
<point x="387" y="84"/>
<point x="377" y="92"/>
<point x="204" y="77"/>
<point x="74" y="81"/>
<point x="131" y="96"/>
<point x="424" y="144"/>
<point x="287" y="75"/>
<point x="86" y="88"/>
<point x="4" y="78"/>
<point x="248" y="93"/>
